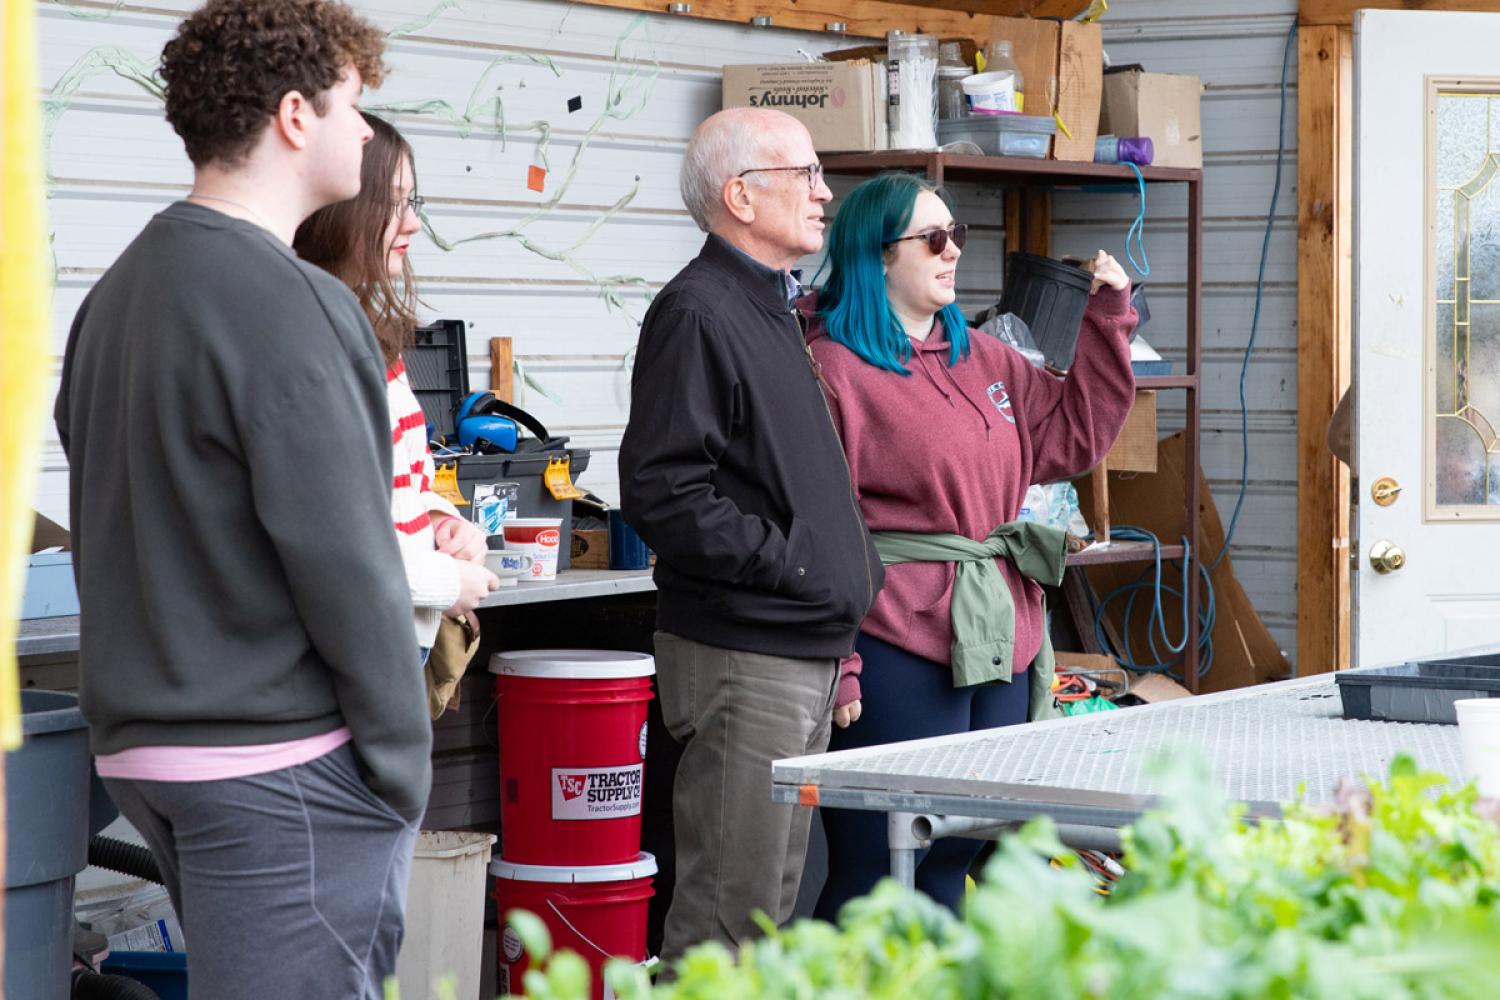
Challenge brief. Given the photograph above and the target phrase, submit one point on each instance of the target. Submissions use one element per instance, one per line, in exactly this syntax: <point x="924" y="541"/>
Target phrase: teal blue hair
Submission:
<point x="853" y="303"/>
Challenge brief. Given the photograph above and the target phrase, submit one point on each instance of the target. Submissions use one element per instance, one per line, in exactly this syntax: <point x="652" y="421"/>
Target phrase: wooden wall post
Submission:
<point x="502" y="368"/>
<point x="1324" y="301"/>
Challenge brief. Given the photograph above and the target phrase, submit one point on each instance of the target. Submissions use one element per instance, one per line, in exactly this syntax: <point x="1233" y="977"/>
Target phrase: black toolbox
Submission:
<point x="1419" y="691"/>
<point x="437" y="367"/>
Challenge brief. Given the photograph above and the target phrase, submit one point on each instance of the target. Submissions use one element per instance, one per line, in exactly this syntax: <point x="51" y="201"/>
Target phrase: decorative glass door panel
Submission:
<point x="1463" y="343"/>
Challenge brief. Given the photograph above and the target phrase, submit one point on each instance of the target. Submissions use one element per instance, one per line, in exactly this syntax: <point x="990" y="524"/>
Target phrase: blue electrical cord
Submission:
<point x="1137" y="230"/>
<point x="1260" y="285"/>
<point x="1151" y="580"/>
<point x="1163" y="659"/>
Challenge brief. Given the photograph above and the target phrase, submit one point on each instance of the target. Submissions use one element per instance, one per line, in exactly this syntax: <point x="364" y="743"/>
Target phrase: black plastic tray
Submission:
<point x="1420" y="691"/>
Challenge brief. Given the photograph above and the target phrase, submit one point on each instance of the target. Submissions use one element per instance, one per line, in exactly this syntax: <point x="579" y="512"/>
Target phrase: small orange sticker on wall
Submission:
<point x="536" y="178"/>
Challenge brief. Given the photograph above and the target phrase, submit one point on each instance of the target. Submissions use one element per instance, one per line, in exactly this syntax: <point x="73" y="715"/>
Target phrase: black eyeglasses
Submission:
<point x="814" y="173"/>
<point x="937" y="240"/>
<point x="411" y="201"/>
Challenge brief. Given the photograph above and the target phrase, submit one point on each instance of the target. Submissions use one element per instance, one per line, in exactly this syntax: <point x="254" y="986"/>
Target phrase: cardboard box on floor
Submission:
<point x="1062" y="71"/>
<point x="1245" y="653"/>
<point x="1162" y="106"/>
<point x="841" y="103"/>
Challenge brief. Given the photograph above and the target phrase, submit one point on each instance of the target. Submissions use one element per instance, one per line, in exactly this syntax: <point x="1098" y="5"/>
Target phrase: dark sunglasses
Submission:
<point x="937" y="240"/>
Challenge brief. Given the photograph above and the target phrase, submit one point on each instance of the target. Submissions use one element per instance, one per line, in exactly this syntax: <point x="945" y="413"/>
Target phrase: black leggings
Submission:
<point x="904" y="697"/>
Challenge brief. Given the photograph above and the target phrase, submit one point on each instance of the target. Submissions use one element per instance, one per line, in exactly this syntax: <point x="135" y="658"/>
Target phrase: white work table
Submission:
<point x="573" y="585"/>
<point x="49" y="636"/>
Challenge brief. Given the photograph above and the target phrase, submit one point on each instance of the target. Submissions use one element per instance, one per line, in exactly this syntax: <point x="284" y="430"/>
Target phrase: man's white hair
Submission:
<point x="727" y="143"/>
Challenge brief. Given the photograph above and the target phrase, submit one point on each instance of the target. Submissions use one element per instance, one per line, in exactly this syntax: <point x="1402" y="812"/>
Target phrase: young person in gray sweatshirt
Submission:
<point x="249" y="669"/>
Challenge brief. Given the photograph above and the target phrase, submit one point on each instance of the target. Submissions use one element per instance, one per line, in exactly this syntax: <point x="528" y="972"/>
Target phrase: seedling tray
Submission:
<point x="1420" y="691"/>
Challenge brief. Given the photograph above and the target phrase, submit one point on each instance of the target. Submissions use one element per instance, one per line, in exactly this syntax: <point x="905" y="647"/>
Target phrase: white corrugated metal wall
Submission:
<point x="570" y="294"/>
<point x="570" y="279"/>
<point x="1237" y="50"/>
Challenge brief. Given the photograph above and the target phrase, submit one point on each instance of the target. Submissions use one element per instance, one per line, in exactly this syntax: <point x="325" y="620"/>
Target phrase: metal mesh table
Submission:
<point x="1264" y="746"/>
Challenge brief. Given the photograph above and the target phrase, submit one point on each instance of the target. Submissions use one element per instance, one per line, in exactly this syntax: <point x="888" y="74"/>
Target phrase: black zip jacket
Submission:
<point x="731" y="470"/>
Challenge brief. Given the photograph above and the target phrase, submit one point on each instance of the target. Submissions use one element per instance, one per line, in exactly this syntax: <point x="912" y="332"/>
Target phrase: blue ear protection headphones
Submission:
<point x="481" y="428"/>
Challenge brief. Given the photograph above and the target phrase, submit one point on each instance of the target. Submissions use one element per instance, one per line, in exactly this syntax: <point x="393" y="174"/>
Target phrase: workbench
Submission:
<point x="49" y="636"/>
<point x="1093" y="773"/>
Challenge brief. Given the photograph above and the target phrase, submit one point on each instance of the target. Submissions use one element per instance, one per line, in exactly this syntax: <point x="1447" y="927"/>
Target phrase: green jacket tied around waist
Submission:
<point x="983" y="611"/>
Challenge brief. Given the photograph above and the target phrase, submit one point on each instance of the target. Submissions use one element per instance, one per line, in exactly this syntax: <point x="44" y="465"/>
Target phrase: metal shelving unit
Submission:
<point x="1022" y="174"/>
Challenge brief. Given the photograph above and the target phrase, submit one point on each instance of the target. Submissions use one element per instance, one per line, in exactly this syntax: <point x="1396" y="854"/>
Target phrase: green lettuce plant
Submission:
<point x="1392" y="894"/>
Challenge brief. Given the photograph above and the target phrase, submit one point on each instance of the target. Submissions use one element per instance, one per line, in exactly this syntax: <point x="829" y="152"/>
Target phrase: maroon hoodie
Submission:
<point x="953" y="450"/>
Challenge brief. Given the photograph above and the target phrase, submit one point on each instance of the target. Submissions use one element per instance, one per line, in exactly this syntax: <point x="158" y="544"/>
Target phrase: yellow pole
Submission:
<point x="25" y="328"/>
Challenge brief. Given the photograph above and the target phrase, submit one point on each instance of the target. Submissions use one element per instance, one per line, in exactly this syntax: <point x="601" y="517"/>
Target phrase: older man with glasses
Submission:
<point x="731" y="470"/>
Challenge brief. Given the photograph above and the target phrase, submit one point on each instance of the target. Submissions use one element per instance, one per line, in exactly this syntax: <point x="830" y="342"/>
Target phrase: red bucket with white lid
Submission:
<point x="572" y="754"/>
<point x="599" y="912"/>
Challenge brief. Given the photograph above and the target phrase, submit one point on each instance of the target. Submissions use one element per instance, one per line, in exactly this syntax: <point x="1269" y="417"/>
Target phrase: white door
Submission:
<point x="1427" y="330"/>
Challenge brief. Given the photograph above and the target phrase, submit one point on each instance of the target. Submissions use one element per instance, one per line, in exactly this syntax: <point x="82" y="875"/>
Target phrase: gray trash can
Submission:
<point x="46" y="838"/>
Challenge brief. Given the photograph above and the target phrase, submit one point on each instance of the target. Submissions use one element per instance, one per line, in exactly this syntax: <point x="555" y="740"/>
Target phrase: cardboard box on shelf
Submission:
<point x="1062" y="74"/>
<point x="1161" y="106"/>
<point x="841" y="103"/>
<point x="591" y="548"/>
<point x="1135" y="449"/>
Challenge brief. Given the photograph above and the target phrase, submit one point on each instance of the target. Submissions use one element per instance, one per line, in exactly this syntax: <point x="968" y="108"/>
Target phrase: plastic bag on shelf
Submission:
<point x="1054" y="505"/>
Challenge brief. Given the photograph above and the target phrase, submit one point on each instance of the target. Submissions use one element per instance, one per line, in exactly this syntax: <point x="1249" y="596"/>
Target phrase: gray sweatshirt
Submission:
<point x="223" y="408"/>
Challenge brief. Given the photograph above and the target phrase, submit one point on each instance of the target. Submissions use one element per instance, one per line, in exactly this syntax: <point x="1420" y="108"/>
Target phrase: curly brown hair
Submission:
<point x="232" y="61"/>
<point x="347" y="239"/>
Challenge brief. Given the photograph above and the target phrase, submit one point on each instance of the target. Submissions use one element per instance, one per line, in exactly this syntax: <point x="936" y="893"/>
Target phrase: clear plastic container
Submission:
<point x="1028" y="136"/>
<point x="1004" y="95"/>
<point x="912" y="91"/>
<point x="951" y="73"/>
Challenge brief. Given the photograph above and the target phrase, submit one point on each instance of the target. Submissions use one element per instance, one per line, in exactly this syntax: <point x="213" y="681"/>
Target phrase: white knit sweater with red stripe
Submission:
<point x="433" y="576"/>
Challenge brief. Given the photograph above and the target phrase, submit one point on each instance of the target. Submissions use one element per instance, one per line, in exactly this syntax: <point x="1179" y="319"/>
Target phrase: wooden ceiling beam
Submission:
<point x="867" y="18"/>
<point x="1341" y="12"/>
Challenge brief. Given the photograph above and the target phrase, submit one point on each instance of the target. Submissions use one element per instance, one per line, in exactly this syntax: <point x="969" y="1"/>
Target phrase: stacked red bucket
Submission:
<point x="572" y="759"/>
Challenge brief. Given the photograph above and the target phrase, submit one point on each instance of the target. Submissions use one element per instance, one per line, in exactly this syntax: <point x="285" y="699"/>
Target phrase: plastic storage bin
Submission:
<point x="165" y="973"/>
<point x="445" y="914"/>
<point x="1027" y="136"/>
<point x="46" y="843"/>
<point x="437" y="367"/>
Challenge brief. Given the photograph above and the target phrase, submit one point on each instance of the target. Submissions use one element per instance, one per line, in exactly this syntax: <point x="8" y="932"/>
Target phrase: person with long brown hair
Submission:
<point x="364" y="243"/>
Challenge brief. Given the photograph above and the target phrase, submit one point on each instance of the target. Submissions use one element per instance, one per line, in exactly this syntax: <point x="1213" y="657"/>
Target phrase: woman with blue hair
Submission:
<point x="944" y="428"/>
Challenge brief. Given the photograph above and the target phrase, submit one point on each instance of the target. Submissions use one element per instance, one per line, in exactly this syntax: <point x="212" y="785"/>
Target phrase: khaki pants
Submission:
<point x="737" y="851"/>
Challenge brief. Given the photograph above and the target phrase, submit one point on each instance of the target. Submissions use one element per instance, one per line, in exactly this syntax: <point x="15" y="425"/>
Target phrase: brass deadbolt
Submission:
<point x="1384" y="491"/>
<point x="1386" y="558"/>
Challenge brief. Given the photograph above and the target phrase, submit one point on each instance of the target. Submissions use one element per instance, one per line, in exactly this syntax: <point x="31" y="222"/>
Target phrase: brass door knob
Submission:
<point x="1384" y="491"/>
<point x="1386" y="558"/>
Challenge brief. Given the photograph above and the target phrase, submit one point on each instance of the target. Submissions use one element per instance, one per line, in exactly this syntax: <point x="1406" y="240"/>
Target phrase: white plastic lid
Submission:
<point x="573" y="664"/>
<point x="643" y="866"/>
<point x="531" y="522"/>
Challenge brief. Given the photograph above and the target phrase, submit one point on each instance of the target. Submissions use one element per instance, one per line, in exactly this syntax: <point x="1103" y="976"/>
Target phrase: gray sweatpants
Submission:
<point x="288" y="884"/>
<point x="737" y="851"/>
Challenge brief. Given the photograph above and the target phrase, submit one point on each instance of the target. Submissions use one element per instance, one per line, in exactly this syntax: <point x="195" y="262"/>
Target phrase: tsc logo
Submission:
<point x="1001" y="399"/>
<point x="572" y="785"/>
